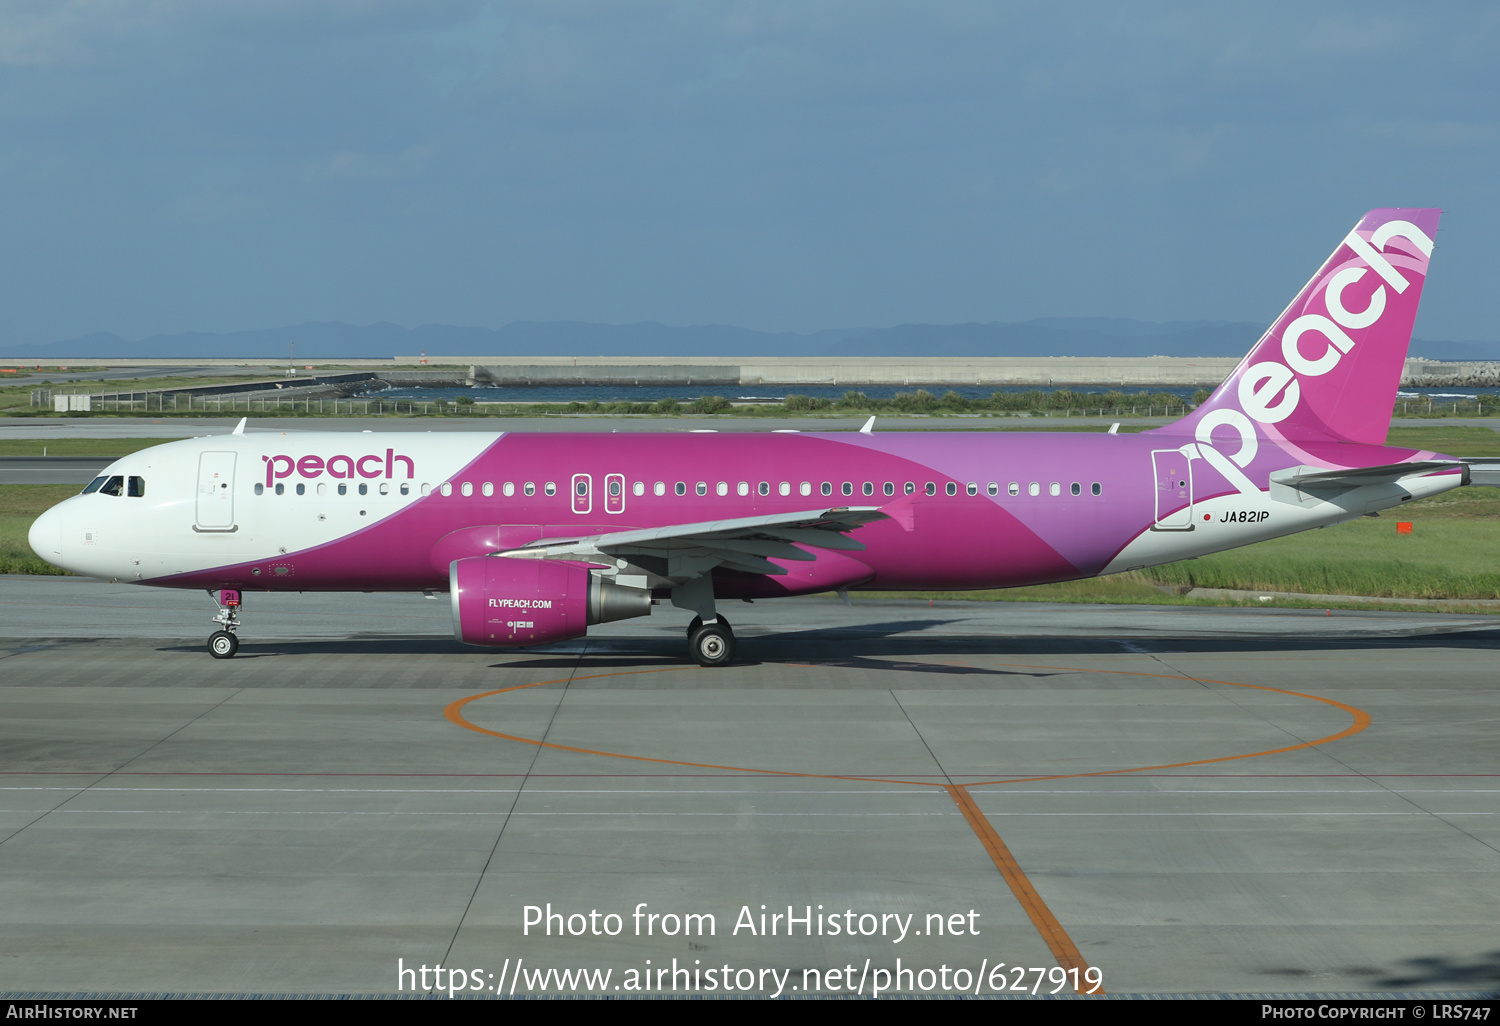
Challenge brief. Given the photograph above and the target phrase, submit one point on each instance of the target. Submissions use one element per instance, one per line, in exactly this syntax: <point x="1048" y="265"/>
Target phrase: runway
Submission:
<point x="1183" y="800"/>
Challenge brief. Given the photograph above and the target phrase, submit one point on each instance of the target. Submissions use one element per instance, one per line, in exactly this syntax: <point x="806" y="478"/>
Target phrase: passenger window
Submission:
<point x="508" y="489"/>
<point x="281" y="488"/>
<point x="1054" y="489"/>
<point x="487" y="490"/>
<point x="113" y="486"/>
<point x="910" y="488"/>
<point x="426" y="489"/>
<point x="993" y="488"/>
<point x="1095" y="488"/>
<point x="364" y="489"/>
<point x="764" y="488"/>
<point x="743" y="488"/>
<point x="529" y="488"/>
<point x="889" y="488"/>
<point x="447" y="488"/>
<point x="301" y="488"/>
<point x="930" y="488"/>
<point x="385" y="488"/>
<point x="701" y="488"/>
<point x="680" y="488"/>
<point x="868" y="488"/>
<point x="581" y="486"/>
<point x="1033" y="489"/>
<point x="952" y="488"/>
<point x="826" y="487"/>
<point x="405" y="488"/>
<point x="972" y="488"/>
<point x="722" y="488"/>
<point x="805" y="488"/>
<point x="323" y="489"/>
<point x="344" y="489"/>
<point x="137" y="487"/>
<point x="785" y="488"/>
<point x="466" y="489"/>
<point x="551" y="488"/>
<point x="260" y="489"/>
<point x="1013" y="488"/>
<point x="95" y="484"/>
<point x="639" y="488"/>
<point x="614" y="487"/>
<point x="1077" y="488"/>
<point x="660" y="488"/>
<point x="848" y="488"/>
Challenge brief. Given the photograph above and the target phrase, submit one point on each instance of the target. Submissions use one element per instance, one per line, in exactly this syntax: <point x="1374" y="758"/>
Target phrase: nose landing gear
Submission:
<point x="224" y="643"/>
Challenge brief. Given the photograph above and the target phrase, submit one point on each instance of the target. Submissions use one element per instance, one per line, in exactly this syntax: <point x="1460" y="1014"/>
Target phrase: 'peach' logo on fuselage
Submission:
<point x="371" y="465"/>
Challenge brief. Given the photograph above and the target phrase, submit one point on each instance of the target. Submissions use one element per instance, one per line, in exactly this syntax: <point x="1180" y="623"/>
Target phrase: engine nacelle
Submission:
<point x="502" y="601"/>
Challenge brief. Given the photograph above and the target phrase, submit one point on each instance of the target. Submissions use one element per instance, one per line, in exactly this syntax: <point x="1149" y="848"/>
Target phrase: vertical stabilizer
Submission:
<point x="1329" y="367"/>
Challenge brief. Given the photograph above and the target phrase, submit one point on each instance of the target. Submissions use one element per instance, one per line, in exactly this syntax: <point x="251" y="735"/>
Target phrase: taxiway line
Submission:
<point x="1056" y="938"/>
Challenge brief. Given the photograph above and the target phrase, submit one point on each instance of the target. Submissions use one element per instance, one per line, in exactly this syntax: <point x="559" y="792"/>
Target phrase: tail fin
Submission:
<point x="1329" y="367"/>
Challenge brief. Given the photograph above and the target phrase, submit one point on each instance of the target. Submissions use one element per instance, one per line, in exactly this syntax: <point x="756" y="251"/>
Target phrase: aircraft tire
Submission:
<point x="222" y="644"/>
<point x="712" y="645"/>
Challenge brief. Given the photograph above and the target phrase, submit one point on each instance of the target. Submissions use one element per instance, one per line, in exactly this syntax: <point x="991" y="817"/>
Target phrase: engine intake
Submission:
<point x="501" y="601"/>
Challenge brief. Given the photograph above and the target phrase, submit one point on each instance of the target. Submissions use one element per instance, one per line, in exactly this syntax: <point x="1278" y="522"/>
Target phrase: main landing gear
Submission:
<point x="711" y="643"/>
<point x="224" y="643"/>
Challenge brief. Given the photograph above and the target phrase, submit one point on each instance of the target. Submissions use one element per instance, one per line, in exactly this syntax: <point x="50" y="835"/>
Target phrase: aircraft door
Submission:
<point x="215" y="509"/>
<point x="614" y="493"/>
<point x="1173" y="471"/>
<point x="583" y="493"/>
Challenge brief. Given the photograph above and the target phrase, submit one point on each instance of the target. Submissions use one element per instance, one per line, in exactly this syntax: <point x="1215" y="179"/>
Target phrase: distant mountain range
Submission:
<point x="1048" y="336"/>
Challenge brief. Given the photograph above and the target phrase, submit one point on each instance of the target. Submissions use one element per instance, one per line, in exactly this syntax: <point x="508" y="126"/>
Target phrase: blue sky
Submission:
<point x="174" y="166"/>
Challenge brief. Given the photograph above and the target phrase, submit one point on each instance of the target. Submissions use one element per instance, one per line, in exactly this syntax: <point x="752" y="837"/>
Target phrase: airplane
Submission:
<point x="536" y="537"/>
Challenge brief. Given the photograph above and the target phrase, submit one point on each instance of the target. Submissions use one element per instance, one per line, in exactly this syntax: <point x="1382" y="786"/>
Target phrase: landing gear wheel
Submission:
<point x="712" y="645"/>
<point x="222" y="644"/>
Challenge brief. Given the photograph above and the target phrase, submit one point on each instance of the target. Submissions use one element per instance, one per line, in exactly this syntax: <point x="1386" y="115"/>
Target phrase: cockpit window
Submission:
<point x="136" y="487"/>
<point x="113" y="486"/>
<point x="94" y="485"/>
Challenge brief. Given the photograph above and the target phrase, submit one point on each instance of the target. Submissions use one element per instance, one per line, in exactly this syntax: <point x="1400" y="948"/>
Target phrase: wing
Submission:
<point x="682" y="552"/>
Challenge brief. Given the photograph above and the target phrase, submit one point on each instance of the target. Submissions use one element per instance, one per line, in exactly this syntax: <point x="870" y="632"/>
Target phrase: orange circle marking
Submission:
<point x="454" y="713"/>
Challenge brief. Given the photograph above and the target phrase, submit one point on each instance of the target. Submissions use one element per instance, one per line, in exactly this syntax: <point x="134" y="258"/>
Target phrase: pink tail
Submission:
<point x="1329" y="367"/>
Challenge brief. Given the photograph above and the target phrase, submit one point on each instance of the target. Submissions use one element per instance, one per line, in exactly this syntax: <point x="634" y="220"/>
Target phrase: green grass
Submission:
<point x="107" y="448"/>
<point x="1451" y="441"/>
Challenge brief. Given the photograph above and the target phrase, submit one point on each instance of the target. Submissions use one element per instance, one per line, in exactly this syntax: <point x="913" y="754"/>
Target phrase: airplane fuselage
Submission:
<point x="391" y="511"/>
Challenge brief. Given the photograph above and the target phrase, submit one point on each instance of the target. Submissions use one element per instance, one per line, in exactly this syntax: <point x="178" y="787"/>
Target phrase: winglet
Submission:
<point x="239" y="429"/>
<point x="902" y="511"/>
<point x="869" y="427"/>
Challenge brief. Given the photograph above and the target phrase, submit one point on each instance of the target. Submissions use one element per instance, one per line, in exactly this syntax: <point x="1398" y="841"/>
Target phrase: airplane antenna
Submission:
<point x="869" y="427"/>
<point x="239" y="429"/>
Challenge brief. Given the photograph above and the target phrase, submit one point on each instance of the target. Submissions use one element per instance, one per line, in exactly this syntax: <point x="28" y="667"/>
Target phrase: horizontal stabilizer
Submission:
<point x="1359" y="489"/>
<point x="1303" y="478"/>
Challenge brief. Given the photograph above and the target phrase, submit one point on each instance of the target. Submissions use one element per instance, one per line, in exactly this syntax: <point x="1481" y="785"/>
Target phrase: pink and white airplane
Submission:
<point x="537" y="536"/>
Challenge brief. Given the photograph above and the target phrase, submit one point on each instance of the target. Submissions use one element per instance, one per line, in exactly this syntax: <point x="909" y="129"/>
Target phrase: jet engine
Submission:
<point x="498" y="600"/>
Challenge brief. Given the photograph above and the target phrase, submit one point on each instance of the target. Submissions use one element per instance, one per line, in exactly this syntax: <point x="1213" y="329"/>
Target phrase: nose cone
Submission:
<point x="46" y="536"/>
